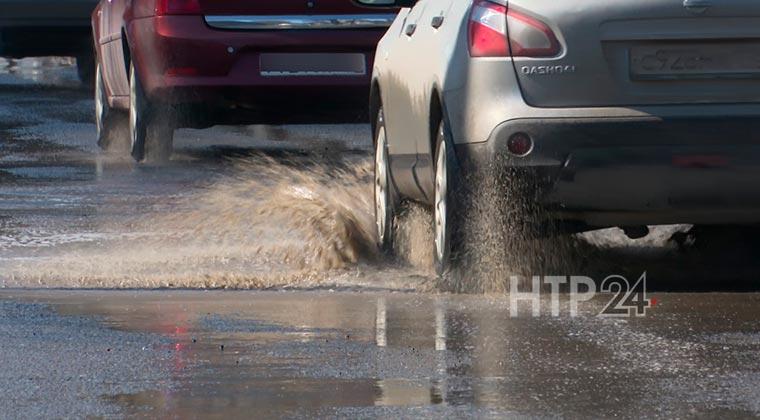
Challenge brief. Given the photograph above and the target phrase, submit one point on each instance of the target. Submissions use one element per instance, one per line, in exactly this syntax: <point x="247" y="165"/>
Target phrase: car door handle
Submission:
<point x="437" y="22"/>
<point x="410" y="29"/>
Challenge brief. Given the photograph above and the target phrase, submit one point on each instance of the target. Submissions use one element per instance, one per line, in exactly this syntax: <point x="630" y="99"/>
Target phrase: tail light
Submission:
<point x="496" y="31"/>
<point x="488" y="30"/>
<point x="178" y="7"/>
<point x="529" y="37"/>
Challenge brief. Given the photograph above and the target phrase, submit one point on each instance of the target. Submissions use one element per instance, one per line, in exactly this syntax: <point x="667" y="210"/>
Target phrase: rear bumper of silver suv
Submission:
<point x="602" y="172"/>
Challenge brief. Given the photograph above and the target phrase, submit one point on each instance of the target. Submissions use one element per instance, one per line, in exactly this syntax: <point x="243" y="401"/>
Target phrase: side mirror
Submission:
<point x="387" y="3"/>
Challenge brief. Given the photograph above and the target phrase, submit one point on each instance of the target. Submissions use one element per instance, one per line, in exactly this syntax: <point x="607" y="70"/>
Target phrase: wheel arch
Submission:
<point x="375" y="103"/>
<point x="436" y="114"/>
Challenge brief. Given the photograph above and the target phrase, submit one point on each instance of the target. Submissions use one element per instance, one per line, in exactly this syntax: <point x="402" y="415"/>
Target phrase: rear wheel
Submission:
<point x="384" y="197"/>
<point x="151" y="130"/>
<point x="448" y="221"/>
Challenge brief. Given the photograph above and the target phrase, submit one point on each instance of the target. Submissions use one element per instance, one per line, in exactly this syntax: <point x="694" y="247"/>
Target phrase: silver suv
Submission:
<point x="604" y="113"/>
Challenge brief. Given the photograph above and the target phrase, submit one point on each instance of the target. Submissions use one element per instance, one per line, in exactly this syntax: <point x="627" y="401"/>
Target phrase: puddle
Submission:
<point x="365" y="355"/>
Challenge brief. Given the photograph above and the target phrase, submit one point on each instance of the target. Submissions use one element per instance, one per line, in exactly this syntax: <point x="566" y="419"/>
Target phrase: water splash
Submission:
<point x="269" y="223"/>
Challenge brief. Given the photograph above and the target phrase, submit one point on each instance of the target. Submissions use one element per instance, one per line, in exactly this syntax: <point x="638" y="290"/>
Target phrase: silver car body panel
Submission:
<point x="603" y="40"/>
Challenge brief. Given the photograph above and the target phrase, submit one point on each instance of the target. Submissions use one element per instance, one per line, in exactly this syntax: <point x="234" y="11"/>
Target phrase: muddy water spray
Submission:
<point x="268" y="223"/>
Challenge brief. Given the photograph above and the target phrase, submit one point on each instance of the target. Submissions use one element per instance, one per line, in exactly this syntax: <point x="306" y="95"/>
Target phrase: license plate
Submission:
<point x="312" y="64"/>
<point x="696" y="61"/>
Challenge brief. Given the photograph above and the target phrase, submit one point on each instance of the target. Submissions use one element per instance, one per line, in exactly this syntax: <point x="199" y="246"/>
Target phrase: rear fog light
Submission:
<point x="520" y="144"/>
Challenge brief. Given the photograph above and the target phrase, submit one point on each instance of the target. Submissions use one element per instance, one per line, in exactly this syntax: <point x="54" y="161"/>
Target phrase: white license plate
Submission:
<point x="696" y="61"/>
<point x="312" y="64"/>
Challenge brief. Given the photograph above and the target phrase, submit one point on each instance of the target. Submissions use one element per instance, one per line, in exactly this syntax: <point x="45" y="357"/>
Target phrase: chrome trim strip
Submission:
<point x="284" y="22"/>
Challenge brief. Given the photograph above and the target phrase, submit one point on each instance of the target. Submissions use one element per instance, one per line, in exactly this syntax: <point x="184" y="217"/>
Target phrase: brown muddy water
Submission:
<point x="260" y="207"/>
<point x="287" y="221"/>
<point x="263" y="223"/>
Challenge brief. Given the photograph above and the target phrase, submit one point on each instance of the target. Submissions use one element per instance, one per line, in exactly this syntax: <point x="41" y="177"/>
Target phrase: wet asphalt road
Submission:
<point x="328" y="329"/>
<point x="185" y="354"/>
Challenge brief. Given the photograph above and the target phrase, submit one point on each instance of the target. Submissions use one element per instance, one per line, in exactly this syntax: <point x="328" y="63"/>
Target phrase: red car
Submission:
<point x="198" y="63"/>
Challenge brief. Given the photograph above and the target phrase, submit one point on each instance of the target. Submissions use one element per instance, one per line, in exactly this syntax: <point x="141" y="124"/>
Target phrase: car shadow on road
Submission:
<point x="700" y="259"/>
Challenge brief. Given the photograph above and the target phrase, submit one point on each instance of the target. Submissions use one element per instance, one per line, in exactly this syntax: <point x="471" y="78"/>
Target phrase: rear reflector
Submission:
<point x="178" y="7"/>
<point x="520" y="144"/>
<point x="496" y="31"/>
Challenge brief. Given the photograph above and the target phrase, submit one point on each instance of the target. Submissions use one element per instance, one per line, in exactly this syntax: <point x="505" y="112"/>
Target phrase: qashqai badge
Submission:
<point x="547" y="70"/>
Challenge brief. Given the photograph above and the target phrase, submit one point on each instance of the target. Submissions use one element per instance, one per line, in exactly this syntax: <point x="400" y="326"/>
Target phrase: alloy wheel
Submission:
<point x="441" y="203"/>
<point x="382" y="192"/>
<point x="135" y="109"/>
<point x="100" y="103"/>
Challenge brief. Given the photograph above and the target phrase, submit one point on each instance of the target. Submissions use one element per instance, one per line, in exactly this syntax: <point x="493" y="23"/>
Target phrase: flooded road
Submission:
<point x="242" y="207"/>
<point x="184" y="354"/>
<point x="258" y="207"/>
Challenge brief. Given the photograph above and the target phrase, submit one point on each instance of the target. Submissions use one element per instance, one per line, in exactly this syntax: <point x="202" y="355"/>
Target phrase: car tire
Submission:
<point x="385" y="196"/>
<point x="151" y="129"/>
<point x="448" y="220"/>
<point x="111" y="125"/>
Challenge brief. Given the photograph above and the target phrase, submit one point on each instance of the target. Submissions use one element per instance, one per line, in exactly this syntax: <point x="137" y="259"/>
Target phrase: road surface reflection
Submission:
<point x="319" y="353"/>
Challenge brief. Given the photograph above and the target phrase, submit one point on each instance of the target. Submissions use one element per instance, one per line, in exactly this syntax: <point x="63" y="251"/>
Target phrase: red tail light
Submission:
<point x="496" y="31"/>
<point x="178" y="7"/>
<point x="529" y="37"/>
<point x="488" y="30"/>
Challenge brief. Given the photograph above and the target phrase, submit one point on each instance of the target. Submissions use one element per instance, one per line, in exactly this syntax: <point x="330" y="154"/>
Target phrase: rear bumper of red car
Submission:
<point x="182" y="60"/>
